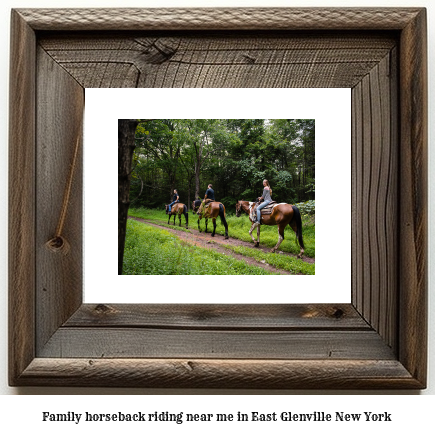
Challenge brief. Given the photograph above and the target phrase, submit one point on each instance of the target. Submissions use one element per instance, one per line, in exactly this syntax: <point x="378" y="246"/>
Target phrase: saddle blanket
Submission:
<point x="264" y="211"/>
<point x="207" y="203"/>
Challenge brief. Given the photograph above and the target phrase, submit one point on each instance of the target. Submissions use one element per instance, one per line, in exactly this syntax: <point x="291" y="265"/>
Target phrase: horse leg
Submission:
<point x="224" y="221"/>
<point x="169" y="218"/>
<point x="186" y="216"/>
<point x="257" y="243"/>
<point x="206" y="223"/>
<point x="179" y="218"/>
<point x="214" y="226"/>
<point x="280" y="237"/>
<point x="199" y="227"/>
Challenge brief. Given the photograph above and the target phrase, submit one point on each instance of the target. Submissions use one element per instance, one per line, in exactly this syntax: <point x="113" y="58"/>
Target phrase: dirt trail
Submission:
<point x="205" y="240"/>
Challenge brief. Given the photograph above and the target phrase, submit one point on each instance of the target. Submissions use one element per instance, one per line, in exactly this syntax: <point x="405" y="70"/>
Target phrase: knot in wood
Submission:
<point x="338" y="313"/>
<point x="103" y="309"/>
<point x="58" y="244"/>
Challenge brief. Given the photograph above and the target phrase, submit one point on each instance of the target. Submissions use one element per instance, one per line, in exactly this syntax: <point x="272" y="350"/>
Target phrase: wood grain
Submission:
<point x="94" y="342"/>
<point x="413" y="197"/>
<point x="220" y="317"/>
<point x="220" y="18"/>
<point x="227" y="374"/>
<point x="60" y="105"/>
<point x="237" y="60"/>
<point x="22" y="125"/>
<point x="375" y="198"/>
<point x="377" y="342"/>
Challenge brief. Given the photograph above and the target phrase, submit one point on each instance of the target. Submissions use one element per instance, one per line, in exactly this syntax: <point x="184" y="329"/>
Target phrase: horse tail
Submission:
<point x="222" y="210"/>
<point x="223" y="220"/>
<point x="298" y="221"/>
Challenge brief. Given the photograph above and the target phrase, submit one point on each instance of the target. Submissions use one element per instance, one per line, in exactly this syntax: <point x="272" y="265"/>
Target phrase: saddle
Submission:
<point x="207" y="203"/>
<point x="264" y="211"/>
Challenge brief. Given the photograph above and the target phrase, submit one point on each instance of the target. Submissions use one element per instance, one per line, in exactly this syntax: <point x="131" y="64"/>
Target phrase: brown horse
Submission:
<point x="211" y="211"/>
<point x="282" y="215"/>
<point x="178" y="209"/>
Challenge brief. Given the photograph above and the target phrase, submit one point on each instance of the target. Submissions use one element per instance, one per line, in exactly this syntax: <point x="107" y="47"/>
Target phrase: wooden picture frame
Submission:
<point x="378" y="341"/>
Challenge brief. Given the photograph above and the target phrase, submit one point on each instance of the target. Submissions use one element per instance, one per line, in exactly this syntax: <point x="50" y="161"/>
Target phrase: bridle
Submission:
<point x="239" y="208"/>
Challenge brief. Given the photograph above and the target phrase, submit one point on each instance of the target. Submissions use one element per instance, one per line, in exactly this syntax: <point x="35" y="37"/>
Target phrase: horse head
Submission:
<point x="195" y="206"/>
<point x="239" y="208"/>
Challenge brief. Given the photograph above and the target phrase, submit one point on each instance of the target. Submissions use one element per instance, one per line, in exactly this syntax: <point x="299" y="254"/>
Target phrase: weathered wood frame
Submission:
<point x="377" y="341"/>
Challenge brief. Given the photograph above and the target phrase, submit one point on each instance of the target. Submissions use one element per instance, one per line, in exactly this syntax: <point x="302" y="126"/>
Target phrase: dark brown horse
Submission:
<point x="211" y="211"/>
<point x="282" y="215"/>
<point x="178" y="209"/>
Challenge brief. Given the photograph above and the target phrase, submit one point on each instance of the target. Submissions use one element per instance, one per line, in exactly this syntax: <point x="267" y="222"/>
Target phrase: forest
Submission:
<point x="234" y="155"/>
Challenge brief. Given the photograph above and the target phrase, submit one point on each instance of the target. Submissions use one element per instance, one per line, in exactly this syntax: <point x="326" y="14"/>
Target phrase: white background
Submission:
<point x="331" y="110"/>
<point x="23" y="412"/>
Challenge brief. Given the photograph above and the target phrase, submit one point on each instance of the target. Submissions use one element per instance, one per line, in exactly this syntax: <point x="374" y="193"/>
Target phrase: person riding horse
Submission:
<point x="267" y="198"/>
<point x="209" y="197"/>
<point x="282" y="214"/>
<point x="175" y="199"/>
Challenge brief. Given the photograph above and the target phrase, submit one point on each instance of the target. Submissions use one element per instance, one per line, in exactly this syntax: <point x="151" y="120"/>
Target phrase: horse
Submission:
<point x="178" y="209"/>
<point x="282" y="215"/>
<point x="211" y="211"/>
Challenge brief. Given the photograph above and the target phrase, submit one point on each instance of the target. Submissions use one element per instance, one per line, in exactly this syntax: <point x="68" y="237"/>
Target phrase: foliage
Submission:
<point x="152" y="251"/>
<point x="307" y="208"/>
<point x="234" y="155"/>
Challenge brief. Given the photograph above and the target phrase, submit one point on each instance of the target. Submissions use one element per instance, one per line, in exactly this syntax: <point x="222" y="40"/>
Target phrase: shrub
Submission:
<point x="307" y="208"/>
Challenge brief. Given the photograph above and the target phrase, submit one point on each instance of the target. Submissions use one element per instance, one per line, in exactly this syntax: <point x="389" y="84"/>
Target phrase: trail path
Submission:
<point x="216" y="243"/>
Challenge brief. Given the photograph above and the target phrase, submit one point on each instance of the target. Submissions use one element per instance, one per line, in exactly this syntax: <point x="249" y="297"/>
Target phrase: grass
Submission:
<point x="284" y="262"/>
<point x="151" y="251"/>
<point x="238" y="227"/>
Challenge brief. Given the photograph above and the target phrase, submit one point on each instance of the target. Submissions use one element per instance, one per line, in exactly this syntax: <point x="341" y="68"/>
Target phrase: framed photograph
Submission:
<point x="376" y="341"/>
<point x="154" y="259"/>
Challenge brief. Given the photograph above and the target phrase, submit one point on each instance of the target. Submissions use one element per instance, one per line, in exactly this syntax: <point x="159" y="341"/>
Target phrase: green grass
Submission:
<point x="284" y="262"/>
<point x="238" y="227"/>
<point x="150" y="250"/>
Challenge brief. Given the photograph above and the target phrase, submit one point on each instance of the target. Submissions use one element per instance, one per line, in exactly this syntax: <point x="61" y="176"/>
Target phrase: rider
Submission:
<point x="267" y="196"/>
<point x="175" y="199"/>
<point x="209" y="197"/>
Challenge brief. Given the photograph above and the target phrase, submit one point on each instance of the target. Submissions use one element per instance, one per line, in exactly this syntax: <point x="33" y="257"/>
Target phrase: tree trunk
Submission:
<point x="188" y="196"/>
<point x="197" y="181"/>
<point x="172" y="186"/>
<point x="126" y="133"/>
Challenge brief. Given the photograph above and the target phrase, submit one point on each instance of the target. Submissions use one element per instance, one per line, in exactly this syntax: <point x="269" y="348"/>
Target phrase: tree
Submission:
<point x="235" y="155"/>
<point x="126" y="133"/>
<point x="126" y="145"/>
